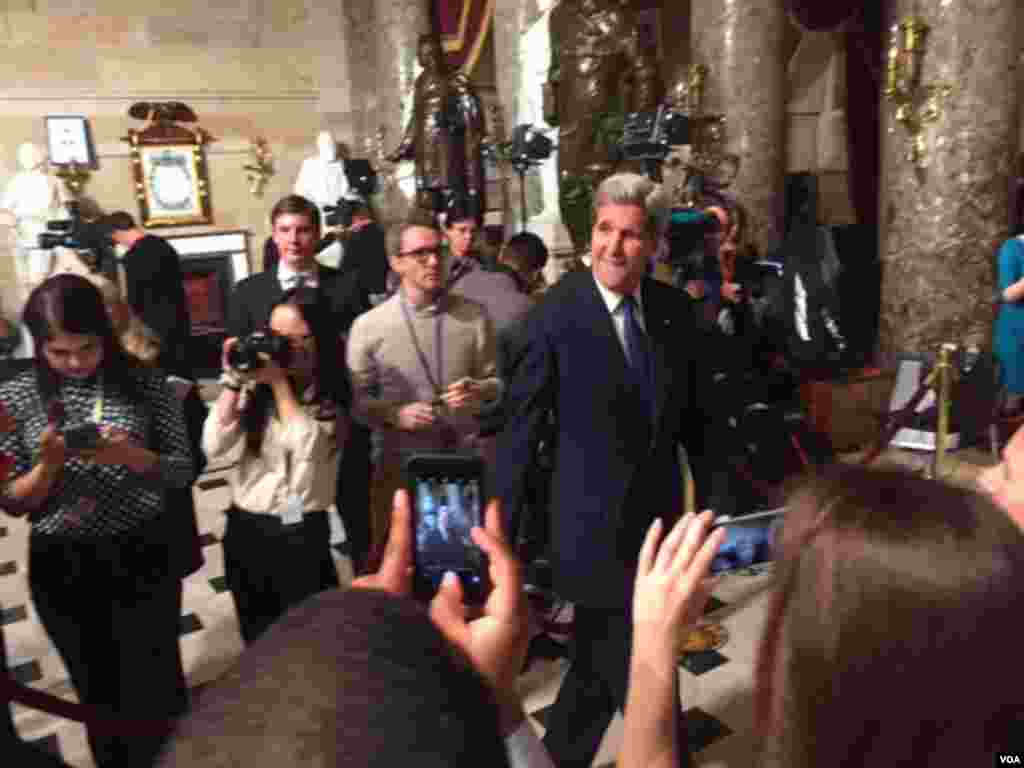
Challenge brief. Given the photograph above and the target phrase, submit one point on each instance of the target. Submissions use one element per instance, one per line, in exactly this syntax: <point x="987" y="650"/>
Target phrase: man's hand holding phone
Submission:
<point x="413" y="417"/>
<point x="465" y="394"/>
<point x="494" y="641"/>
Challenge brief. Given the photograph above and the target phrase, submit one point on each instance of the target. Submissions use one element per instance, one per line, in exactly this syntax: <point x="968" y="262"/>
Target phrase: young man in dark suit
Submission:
<point x="617" y="358"/>
<point x="295" y="225"/>
<point x="295" y="231"/>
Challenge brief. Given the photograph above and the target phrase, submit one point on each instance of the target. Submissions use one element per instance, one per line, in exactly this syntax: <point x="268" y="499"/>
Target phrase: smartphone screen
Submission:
<point x="82" y="437"/>
<point x="447" y="494"/>
<point x="749" y="541"/>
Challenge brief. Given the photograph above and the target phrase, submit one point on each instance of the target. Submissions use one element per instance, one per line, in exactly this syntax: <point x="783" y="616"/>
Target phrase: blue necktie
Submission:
<point x="639" y="353"/>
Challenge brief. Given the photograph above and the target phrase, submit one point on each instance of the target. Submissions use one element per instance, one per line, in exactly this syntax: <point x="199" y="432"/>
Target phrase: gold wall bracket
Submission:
<point x="916" y="105"/>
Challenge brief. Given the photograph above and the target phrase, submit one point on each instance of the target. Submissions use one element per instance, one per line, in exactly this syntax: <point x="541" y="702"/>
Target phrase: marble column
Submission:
<point x="522" y="57"/>
<point x="507" y="30"/>
<point x="941" y="224"/>
<point x="397" y="26"/>
<point x="361" y="55"/>
<point x="742" y="44"/>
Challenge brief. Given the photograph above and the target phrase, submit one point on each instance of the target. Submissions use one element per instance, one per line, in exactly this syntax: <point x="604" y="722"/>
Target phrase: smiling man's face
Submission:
<point x="621" y="247"/>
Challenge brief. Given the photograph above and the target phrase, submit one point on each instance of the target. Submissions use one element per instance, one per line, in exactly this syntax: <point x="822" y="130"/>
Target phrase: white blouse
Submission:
<point x="299" y="458"/>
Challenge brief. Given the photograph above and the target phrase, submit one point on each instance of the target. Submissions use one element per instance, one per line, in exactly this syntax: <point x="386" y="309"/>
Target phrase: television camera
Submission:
<point x="650" y="136"/>
<point x="528" y="148"/>
<point x="362" y="182"/>
<point x="87" y="238"/>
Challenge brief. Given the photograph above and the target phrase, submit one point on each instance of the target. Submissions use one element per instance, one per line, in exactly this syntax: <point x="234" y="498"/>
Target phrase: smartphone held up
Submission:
<point x="447" y="495"/>
<point x="749" y="542"/>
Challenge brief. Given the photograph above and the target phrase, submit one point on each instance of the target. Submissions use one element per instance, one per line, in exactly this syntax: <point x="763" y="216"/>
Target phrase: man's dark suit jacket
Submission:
<point x="155" y="289"/>
<point x="613" y="471"/>
<point x="254" y="297"/>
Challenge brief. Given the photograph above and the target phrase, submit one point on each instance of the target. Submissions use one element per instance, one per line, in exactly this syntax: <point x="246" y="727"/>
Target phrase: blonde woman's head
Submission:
<point x="136" y="338"/>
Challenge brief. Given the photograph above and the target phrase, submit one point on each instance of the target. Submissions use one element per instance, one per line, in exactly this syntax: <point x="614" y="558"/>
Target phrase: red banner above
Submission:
<point x="463" y="25"/>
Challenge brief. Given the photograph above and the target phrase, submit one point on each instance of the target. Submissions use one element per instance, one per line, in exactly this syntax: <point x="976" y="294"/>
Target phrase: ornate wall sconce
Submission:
<point x="260" y="167"/>
<point x="916" y="105"/>
<point x="74" y="176"/>
<point x="708" y="160"/>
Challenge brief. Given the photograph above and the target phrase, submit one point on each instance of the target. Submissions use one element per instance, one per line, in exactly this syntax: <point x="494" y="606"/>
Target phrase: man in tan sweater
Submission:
<point x="422" y="365"/>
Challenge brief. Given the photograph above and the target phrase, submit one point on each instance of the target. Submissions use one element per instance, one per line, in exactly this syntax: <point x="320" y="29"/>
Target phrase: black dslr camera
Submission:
<point x="245" y="355"/>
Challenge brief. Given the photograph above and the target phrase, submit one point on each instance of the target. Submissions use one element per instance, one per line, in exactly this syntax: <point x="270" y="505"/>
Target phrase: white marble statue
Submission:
<point x="31" y="198"/>
<point x="322" y="176"/>
<point x="322" y="180"/>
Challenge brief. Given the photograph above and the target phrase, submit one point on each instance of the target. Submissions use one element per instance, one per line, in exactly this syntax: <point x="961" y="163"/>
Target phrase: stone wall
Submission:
<point x="249" y="68"/>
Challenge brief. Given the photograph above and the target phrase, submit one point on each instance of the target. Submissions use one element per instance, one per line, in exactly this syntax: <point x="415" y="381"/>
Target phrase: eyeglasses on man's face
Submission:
<point x="422" y="255"/>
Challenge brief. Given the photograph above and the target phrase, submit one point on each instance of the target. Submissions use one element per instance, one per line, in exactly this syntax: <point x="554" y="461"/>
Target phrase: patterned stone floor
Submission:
<point x="716" y="686"/>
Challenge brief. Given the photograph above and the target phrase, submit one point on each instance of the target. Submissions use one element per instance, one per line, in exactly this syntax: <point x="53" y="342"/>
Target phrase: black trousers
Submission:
<point x="594" y="688"/>
<point x="269" y="567"/>
<point x="354" y="473"/>
<point x="117" y="636"/>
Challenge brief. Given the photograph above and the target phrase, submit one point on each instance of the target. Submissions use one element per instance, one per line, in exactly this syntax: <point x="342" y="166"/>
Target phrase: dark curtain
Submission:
<point x="863" y="33"/>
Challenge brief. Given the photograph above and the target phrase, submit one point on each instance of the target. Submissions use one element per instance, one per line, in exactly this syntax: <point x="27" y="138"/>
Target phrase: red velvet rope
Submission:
<point x="105" y="723"/>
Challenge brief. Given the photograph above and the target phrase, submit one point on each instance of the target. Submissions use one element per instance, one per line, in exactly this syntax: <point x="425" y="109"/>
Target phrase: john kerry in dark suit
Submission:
<point x="616" y="357"/>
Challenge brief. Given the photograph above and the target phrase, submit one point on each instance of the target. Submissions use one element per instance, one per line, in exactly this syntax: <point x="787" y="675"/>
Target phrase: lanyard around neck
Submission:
<point x="97" y="406"/>
<point x="407" y="314"/>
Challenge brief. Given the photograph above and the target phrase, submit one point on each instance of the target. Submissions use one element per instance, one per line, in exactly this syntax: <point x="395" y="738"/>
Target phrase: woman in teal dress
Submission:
<point x="1009" y="335"/>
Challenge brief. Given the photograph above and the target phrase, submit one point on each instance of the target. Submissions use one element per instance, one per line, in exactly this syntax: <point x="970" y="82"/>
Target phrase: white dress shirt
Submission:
<point x="288" y="277"/>
<point x="616" y="308"/>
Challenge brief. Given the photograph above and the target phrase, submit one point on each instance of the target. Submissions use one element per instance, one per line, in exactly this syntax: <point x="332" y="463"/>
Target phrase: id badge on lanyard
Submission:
<point x="291" y="512"/>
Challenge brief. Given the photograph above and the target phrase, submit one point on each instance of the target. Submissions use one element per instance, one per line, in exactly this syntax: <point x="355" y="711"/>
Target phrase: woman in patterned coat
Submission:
<point x="99" y="570"/>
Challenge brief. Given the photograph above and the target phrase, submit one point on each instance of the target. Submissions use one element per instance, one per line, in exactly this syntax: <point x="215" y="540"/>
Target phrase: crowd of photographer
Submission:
<point x="609" y="369"/>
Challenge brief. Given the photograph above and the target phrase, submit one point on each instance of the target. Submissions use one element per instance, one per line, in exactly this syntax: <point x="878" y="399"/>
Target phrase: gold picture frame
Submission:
<point x="172" y="183"/>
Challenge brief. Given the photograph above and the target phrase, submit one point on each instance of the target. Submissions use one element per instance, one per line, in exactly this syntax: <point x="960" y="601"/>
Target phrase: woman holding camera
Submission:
<point x="286" y="411"/>
<point x="98" y="440"/>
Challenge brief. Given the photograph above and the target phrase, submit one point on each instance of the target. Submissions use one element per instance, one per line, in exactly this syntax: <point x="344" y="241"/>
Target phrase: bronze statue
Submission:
<point x="445" y="134"/>
<point x="593" y="49"/>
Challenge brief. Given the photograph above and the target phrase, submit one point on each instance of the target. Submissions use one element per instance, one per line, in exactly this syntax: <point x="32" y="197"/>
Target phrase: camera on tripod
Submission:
<point x="362" y="183"/>
<point x="341" y="214"/>
<point x="245" y="356"/>
<point x="529" y="146"/>
<point x="651" y="135"/>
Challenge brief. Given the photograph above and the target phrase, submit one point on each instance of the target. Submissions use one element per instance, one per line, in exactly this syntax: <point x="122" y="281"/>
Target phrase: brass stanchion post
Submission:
<point x="944" y="374"/>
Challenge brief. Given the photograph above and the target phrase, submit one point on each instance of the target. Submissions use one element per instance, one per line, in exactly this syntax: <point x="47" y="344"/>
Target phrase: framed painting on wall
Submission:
<point x="172" y="184"/>
<point x="69" y="141"/>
